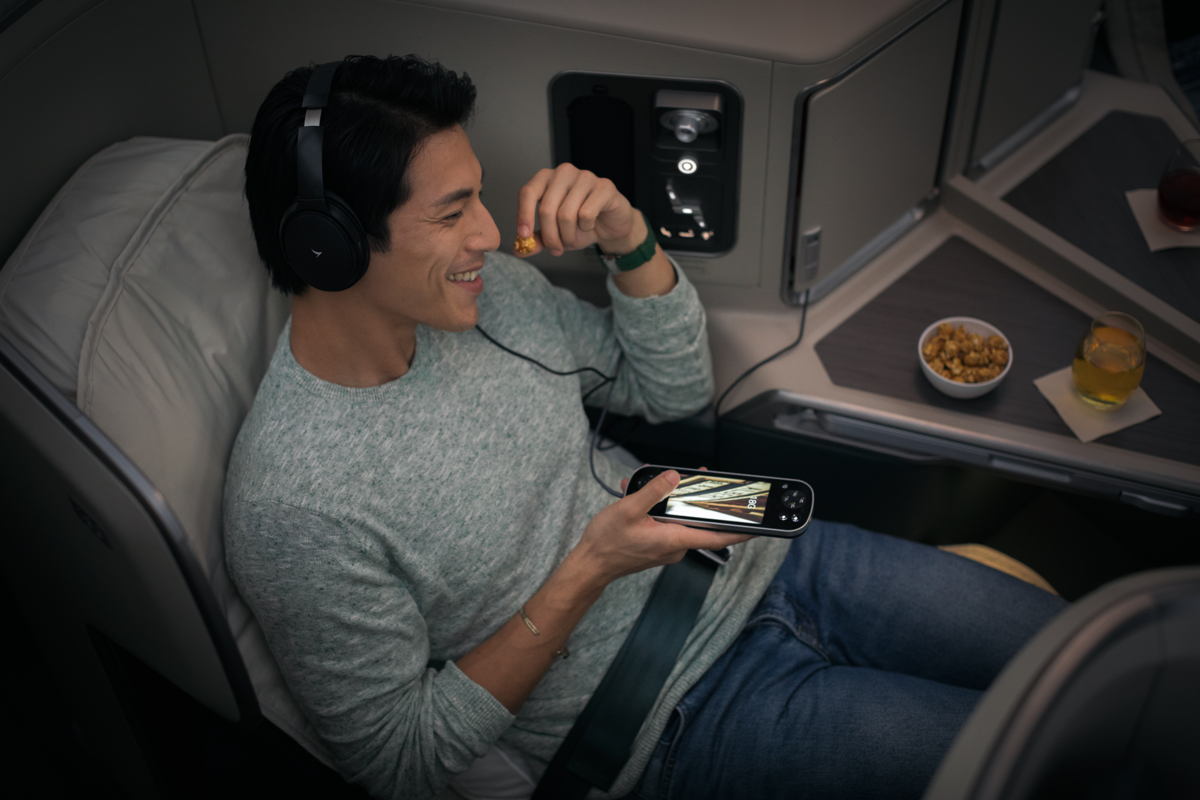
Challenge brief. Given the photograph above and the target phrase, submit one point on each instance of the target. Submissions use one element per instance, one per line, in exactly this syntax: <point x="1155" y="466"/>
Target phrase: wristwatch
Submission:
<point x="634" y="259"/>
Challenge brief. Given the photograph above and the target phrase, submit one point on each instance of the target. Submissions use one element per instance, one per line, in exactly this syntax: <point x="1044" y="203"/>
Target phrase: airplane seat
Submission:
<point x="1104" y="702"/>
<point x="136" y="322"/>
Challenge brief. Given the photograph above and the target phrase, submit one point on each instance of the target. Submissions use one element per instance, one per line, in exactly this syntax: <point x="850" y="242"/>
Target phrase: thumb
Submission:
<point x="640" y="502"/>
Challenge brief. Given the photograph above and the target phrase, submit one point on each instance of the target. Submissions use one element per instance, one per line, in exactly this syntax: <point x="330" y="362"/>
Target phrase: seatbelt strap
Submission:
<point x="601" y="739"/>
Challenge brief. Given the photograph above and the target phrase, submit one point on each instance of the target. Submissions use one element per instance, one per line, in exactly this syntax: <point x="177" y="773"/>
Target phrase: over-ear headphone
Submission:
<point x="321" y="237"/>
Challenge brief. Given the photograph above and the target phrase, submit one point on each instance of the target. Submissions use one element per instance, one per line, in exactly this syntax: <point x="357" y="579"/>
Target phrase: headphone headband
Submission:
<point x="316" y="94"/>
<point x="310" y="139"/>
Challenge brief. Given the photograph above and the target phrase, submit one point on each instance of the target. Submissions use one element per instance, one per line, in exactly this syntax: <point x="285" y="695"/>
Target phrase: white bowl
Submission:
<point x="964" y="391"/>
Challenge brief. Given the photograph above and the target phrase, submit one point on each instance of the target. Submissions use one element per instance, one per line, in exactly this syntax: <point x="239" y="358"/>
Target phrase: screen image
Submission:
<point x="718" y="498"/>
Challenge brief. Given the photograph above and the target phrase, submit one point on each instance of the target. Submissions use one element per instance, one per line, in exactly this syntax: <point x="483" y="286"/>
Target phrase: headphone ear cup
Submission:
<point x="326" y="247"/>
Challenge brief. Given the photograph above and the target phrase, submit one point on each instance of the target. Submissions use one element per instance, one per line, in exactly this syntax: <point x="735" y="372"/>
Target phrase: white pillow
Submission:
<point x="54" y="279"/>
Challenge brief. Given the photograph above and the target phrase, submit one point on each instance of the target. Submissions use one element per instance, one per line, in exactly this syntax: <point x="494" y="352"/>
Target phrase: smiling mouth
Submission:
<point x="464" y="277"/>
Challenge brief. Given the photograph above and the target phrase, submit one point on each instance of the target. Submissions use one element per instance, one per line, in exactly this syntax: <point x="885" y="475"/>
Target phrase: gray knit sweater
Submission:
<point x="380" y="533"/>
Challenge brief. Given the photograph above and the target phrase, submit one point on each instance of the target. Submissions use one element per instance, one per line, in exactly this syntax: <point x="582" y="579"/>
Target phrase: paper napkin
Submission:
<point x="1086" y="422"/>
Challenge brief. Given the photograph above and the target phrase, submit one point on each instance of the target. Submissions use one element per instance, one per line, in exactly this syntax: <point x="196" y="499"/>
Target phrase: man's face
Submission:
<point x="430" y="274"/>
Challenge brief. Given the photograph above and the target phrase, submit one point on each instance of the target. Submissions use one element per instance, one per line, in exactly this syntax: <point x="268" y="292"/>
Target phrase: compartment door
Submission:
<point x="868" y="143"/>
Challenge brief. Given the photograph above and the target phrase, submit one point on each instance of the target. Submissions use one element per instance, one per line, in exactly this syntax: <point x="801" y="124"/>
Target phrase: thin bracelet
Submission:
<point x="561" y="652"/>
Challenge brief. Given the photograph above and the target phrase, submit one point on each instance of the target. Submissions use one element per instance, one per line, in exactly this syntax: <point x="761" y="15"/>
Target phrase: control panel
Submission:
<point x="671" y="145"/>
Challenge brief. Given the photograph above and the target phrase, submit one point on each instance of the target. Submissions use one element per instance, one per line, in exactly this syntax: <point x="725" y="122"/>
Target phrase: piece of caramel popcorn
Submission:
<point x="524" y="245"/>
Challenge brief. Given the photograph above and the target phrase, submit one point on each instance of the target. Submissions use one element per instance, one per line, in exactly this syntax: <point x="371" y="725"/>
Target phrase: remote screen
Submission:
<point x="713" y="497"/>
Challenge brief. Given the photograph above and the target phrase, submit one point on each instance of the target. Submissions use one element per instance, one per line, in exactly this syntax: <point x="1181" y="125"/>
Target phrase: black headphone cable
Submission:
<point x="606" y="380"/>
<point x="786" y="348"/>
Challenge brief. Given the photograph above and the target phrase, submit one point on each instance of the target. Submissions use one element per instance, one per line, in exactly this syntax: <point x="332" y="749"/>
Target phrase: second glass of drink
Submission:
<point x="1179" y="188"/>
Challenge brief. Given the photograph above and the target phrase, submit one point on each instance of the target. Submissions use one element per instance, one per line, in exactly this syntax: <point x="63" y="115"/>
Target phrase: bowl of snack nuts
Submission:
<point x="964" y="357"/>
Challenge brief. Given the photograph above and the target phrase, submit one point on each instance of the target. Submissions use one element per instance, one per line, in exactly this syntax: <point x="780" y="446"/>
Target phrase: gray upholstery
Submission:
<point x="1103" y="703"/>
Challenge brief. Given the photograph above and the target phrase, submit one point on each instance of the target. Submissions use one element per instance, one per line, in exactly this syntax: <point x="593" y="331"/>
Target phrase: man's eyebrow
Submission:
<point x="458" y="194"/>
<point x="454" y="197"/>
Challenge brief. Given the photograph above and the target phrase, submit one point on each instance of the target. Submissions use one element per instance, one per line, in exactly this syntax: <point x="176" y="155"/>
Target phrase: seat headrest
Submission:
<point x="139" y="293"/>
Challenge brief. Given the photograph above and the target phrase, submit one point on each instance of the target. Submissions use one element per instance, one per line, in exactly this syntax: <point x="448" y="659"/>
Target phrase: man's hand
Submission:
<point x="619" y="540"/>
<point x="622" y="539"/>
<point x="576" y="209"/>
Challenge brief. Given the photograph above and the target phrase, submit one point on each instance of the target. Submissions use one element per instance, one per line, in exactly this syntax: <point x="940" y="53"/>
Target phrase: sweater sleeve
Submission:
<point x="354" y="652"/>
<point x="665" y="368"/>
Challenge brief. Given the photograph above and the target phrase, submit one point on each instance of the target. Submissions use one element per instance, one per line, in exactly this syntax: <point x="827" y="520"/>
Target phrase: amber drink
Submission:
<point x="1110" y="360"/>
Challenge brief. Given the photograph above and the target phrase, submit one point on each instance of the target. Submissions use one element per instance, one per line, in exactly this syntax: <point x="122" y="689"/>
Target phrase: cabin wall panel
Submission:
<point x="77" y="76"/>
<point x="1037" y="54"/>
<point x="512" y="62"/>
<point x="91" y="72"/>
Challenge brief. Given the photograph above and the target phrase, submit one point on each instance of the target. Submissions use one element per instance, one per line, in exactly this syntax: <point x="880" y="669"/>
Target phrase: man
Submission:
<point x="412" y="516"/>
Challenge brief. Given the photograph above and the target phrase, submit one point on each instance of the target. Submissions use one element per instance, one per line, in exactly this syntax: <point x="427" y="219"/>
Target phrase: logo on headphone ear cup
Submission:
<point x="327" y="247"/>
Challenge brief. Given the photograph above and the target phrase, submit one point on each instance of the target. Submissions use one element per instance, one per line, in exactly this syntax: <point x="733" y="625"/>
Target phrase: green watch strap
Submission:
<point x="638" y="256"/>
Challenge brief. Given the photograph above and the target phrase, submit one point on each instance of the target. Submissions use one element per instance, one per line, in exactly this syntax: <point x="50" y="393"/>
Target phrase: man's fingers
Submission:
<point x="568" y="211"/>
<point x="640" y="502"/>
<point x="566" y="204"/>
<point x="596" y="203"/>
<point x="561" y="180"/>
<point x="527" y="201"/>
<point x="715" y="541"/>
<point x="701" y="539"/>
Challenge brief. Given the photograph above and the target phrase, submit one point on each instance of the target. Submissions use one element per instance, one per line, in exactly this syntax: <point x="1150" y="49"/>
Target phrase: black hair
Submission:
<point x="380" y="111"/>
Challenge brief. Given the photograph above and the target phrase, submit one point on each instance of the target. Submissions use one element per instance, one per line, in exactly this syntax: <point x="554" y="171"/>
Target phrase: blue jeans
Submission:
<point x="852" y="676"/>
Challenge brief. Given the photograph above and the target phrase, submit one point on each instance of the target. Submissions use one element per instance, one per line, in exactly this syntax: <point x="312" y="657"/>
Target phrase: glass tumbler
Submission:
<point x="1179" y="188"/>
<point x="1110" y="360"/>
